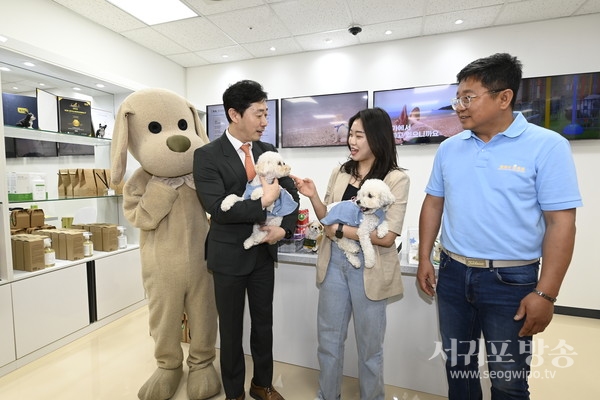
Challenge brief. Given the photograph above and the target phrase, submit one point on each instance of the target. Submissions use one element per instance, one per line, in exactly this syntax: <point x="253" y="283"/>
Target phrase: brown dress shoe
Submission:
<point x="240" y="397"/>
<point x="264" y="393"/>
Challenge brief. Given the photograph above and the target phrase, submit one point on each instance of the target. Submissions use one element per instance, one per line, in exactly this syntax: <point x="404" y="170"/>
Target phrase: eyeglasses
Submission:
<point x="465" y="101"/>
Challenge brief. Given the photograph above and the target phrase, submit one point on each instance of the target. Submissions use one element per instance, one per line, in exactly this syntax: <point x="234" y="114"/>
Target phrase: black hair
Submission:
<point x="498" y="71"/>
<point x="380" y="136"/>
<point x="241" y="95"/>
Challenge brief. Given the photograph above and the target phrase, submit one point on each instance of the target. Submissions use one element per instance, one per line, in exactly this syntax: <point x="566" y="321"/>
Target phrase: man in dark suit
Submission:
<point x="218" y="172"/>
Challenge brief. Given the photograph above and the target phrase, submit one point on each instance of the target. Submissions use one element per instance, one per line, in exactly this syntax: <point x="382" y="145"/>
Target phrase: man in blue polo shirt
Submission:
<point x="507" y="190"/>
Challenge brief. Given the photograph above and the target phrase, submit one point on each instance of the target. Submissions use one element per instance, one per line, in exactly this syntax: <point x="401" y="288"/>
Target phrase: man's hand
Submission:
<point x="270" y="191"/>
<point x="426" y="277"/>
<point x="274" y="234"/>
<point x="538" y="313"/>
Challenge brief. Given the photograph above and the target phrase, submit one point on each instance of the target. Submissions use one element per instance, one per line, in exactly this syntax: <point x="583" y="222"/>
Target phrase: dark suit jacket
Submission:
<point x="219" y="172"/>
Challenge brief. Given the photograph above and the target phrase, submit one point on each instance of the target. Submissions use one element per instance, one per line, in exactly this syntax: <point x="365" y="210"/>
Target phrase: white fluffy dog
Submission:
<point x="367" y="212"/>
<point x="270" y="165"/>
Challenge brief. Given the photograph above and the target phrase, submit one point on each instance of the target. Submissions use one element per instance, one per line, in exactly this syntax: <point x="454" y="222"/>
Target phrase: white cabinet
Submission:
<point x="49" y="306"/>
<point x="43" y="310"/>
<point x="7" y="337"/>
<point x="118" y="282"/>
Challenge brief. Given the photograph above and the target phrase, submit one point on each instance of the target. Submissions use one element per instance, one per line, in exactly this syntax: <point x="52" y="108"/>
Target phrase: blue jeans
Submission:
<point x="476" y="300"/>
<point x="341" y="295"/>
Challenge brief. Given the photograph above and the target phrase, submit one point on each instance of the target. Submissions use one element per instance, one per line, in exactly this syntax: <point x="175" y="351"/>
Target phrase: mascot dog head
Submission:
<point x="161" y="130"/>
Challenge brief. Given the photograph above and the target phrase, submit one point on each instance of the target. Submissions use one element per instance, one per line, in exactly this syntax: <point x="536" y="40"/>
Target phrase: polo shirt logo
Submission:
<point x="514" y="167"/>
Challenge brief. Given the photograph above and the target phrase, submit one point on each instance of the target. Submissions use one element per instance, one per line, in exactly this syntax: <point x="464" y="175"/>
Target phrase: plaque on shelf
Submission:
<point x="75" y="116"/>
<point x="16" y="109"/>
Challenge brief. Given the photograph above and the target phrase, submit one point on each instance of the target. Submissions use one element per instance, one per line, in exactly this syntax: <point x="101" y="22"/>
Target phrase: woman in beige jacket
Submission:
<point x="344" y="290"/>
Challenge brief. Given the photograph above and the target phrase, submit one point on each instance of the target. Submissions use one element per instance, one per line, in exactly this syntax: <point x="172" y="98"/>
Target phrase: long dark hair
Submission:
<point x="380" y="136"/>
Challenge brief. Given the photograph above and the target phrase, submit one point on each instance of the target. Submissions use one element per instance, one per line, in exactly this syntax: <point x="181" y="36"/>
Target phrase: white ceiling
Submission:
<point x="247" y="29"/>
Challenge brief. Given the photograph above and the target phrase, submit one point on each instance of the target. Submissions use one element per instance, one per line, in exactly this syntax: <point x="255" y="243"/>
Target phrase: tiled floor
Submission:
<point x="114" y="361"/>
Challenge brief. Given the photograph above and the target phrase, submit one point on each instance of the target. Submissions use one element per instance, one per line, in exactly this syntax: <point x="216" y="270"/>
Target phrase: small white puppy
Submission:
<point x="367" y="212"/>
<point x="270" y="165"/>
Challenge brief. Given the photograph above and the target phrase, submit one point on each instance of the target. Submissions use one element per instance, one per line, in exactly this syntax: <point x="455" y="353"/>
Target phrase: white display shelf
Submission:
<point x="61" y="264"/>
<point x="48" y="136"/>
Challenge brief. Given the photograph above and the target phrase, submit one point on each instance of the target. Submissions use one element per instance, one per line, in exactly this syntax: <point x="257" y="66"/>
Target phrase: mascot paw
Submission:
<point x="203" y="383"/>
<point x="161" y="385"/>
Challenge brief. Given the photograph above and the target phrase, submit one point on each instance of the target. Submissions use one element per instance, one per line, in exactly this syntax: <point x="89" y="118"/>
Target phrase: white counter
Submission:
<point x="411" y="335"/>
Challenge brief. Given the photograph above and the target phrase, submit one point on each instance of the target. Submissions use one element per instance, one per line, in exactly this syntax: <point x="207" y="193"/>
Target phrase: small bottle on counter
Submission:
<point x="122" y="238"/>
<point x="49" y="254"/>
<point x="88" y="245"/>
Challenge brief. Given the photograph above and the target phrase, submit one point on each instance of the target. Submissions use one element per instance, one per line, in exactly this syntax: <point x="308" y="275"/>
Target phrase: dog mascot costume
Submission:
<point x="162" y="130"/>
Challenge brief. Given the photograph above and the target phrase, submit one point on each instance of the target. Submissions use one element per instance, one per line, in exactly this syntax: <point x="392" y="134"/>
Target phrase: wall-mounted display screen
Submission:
<point x="421" y="114"/>
<point x="567" y="104"/>
<point x="216" y="122"/>
<point x="320" y="120"/>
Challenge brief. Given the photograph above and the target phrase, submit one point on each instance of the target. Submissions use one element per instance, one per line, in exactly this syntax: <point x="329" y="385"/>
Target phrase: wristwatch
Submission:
<point x="288" y="234"/>
<point x="339" y="233"/>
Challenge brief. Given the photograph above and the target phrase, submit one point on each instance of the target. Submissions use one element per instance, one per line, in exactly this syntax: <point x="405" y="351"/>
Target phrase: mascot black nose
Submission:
<point x="178" y="143"/>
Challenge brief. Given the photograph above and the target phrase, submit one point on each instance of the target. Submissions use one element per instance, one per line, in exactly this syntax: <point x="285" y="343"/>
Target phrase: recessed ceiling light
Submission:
<point x="3" y="39"/>
<point x="272" y="48"/>
<point x="99" y="85"/>
<point x="458" y="21"/>
<point x="225" y="56"/>
<point x="42" y="84"/>
<point x="5" y="69"/>
<point x="15" y="88"/>
<point x="29" y="64"/>
<point x="154" y="12"/>
<point x="388" y="32"/>
<point x="76" y="88"/>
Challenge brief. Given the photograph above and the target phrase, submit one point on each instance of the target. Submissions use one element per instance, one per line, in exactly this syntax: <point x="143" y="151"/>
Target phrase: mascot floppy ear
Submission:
<point x="120" y="141"/>
<point x="197" y="124"/>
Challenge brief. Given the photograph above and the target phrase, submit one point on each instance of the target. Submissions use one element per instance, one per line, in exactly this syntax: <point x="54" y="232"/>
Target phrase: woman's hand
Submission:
<point x="305" y="186"/>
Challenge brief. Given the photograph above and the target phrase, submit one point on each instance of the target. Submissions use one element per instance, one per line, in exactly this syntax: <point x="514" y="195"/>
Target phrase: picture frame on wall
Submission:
<point x="420" y="115"/>
<point x="567" y="104"/>
<point x="319" y="120"/>
<point x="216" y="122"/>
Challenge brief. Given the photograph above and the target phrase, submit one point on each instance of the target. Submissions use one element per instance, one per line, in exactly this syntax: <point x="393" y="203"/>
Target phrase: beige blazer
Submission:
<point x="384" y="279"/>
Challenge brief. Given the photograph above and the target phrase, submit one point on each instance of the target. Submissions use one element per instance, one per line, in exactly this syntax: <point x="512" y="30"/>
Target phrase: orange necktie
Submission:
<point x="248" y="163"/>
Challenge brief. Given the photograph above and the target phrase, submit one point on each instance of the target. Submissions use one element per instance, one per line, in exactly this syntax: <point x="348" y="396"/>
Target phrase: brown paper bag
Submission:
<point x="86" y="185"/>
<point x="74" y="180"/>
<point x="101" y="182"/>
<point x="64" y="183"/>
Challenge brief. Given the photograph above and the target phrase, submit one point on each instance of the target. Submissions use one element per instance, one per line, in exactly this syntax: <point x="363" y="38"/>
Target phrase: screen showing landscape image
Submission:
<point x="420" y="115"/>
<point x="567" y="104"/>
<point x="320" y="120"/>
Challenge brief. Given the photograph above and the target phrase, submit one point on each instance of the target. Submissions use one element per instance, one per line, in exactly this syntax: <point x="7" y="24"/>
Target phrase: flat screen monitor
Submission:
<point x="35" y="148"/>
<point x="216" y="122"/>
<point x="320" y="120"/>
<point x="72" y="149"/>
<point x="567" y="104"/>
<point x="420" y="114"/>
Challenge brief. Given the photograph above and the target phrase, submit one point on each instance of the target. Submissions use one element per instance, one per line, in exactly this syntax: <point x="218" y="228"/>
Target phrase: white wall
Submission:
<point x="49" y="32"/>
<point x="561" y="46"/>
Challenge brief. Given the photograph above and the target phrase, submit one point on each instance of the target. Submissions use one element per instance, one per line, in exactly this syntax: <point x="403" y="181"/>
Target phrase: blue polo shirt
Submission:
<point x="494" y="193"/>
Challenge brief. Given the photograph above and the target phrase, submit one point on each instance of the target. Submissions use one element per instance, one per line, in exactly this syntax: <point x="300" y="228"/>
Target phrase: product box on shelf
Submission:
<point x="67" y="243"/>
<point x="104" y="236"/>
<point x="26" y="186"/>
<point x="28" y="252"/>
<point x="19" y="219"/>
